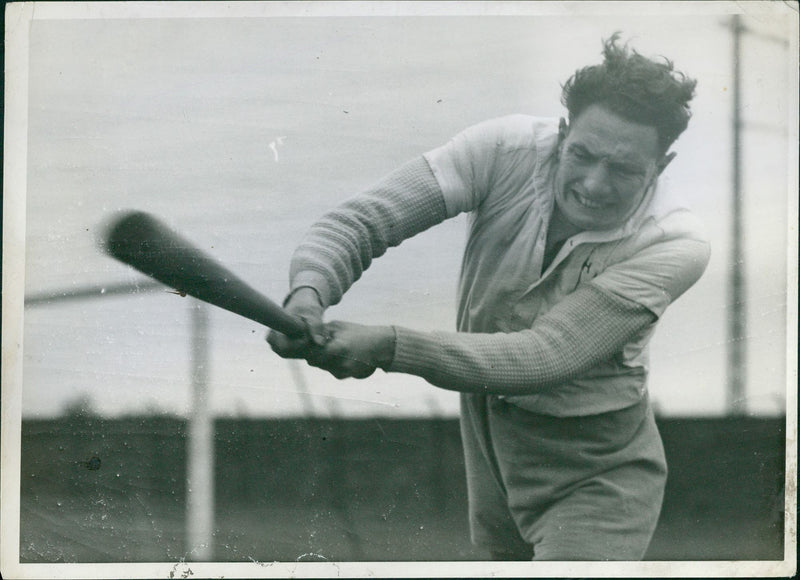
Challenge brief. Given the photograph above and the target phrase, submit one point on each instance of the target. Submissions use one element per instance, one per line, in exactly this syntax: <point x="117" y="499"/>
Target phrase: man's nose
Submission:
<point x="597" y="180"/>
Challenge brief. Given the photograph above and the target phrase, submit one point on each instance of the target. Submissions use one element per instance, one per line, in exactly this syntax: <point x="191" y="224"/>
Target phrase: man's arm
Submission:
<point x="584" y="329"/>
<point x="589" y="326"/>
<point x="342" y="244"/>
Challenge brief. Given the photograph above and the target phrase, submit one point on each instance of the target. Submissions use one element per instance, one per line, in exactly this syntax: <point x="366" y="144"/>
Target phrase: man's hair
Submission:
<point x="634" y="87"/>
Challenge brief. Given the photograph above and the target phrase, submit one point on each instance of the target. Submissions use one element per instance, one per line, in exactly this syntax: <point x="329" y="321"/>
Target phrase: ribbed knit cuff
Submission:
<point x="415" y="352"/>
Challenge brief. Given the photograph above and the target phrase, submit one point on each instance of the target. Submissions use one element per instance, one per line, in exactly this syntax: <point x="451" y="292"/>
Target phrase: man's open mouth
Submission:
<point x="590" y="203"/>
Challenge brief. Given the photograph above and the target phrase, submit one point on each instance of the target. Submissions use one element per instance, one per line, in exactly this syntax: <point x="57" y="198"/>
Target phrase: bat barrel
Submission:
<point x="142" y="241"/>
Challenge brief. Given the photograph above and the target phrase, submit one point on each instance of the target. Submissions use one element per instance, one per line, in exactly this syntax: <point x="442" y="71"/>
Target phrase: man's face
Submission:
<point x="606" y="165"/>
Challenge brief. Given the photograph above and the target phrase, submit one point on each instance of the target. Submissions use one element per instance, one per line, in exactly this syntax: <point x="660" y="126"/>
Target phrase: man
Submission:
<point x="572" y="257"/>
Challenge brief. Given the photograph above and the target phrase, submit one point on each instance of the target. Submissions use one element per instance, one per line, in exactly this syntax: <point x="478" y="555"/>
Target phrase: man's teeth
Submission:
<point x="589" y="203"/>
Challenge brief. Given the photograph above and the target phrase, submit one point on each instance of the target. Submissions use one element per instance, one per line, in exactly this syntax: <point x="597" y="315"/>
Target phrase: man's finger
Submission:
<point x="317" y="331"/>
<point x="287" y="347"/>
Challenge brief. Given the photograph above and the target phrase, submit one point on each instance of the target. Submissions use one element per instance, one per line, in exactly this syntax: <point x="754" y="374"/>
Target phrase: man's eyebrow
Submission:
<point x="627" y="164"/>
<point x="624" y="161"/>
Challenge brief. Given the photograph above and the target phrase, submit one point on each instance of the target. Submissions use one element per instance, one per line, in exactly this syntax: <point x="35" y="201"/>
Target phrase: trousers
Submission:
<point x="551" y="488"/>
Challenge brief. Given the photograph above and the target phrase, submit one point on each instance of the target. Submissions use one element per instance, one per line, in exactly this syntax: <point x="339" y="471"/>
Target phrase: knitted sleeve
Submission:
<point x="589" y="326"/>
<point x="341" y="245"/>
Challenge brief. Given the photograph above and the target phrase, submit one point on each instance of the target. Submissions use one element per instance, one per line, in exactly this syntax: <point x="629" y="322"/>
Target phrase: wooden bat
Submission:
<point x="142" y="241"/>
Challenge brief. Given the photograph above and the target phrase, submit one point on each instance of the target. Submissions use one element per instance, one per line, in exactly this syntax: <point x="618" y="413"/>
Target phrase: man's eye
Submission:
<point x="580" y="154"/>
<point x="627" y="172"/>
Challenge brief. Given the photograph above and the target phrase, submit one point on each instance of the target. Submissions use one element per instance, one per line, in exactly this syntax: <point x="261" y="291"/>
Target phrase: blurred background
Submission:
<point x="155" y="428"/>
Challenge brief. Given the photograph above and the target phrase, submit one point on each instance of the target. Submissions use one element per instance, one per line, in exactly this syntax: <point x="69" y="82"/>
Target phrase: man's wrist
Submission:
<point x="386" y="345"/>
<point x="305" y="294"/>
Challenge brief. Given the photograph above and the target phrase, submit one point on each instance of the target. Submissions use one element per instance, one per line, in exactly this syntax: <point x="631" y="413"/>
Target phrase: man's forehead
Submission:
<point x="605" y="133"/>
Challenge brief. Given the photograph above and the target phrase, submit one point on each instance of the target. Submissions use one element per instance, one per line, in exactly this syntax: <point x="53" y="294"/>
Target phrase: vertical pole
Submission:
<point x="302" y="388"/>
<point x="200" y="458"/>
<point x="737" y="361"/>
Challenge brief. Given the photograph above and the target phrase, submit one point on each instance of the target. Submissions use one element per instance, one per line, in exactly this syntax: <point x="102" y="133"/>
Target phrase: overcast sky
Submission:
<point x="241" y="131"/>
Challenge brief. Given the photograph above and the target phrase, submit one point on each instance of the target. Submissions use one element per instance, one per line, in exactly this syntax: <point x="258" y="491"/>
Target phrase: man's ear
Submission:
<point x="562" y="130"/>
<point x="666" y="160"/>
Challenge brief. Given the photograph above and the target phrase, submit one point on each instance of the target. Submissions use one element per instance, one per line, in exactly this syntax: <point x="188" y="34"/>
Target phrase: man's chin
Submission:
<point x="592" y="222"/>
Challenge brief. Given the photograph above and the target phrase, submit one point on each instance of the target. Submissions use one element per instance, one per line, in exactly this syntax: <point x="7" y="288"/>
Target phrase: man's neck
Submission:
<point x="559" y="228"/>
